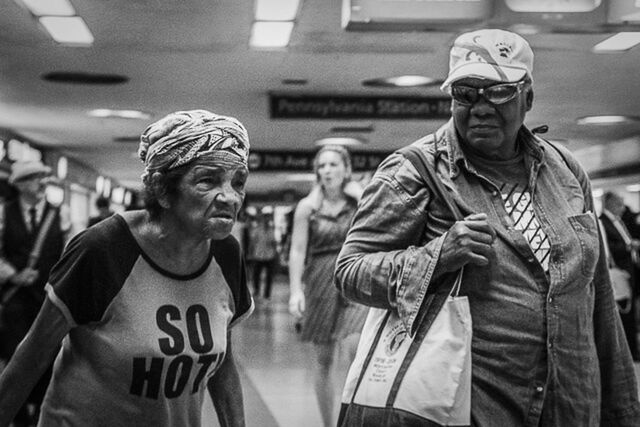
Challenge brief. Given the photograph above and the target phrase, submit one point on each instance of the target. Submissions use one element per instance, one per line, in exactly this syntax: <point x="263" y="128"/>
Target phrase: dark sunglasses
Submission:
<point x="496" y="94"/>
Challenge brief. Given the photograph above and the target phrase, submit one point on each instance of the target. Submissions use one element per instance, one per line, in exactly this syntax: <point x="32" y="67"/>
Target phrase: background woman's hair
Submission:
<point x="344" y="155"/>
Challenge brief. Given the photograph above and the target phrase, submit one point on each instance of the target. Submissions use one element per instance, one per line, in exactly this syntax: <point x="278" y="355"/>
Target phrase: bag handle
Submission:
<point x="426" y="170"/>
<point x="432" y="304"/>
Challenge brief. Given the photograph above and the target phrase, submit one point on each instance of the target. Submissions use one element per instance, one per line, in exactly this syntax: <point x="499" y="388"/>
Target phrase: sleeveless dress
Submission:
<point x="328" y="317"/>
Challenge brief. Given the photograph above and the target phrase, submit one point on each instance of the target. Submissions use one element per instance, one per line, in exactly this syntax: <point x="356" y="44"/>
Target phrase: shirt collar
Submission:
<point x="39" y="206"/>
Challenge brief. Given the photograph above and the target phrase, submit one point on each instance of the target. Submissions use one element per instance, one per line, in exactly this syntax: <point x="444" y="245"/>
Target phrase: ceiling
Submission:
<point x="195" y="54"/>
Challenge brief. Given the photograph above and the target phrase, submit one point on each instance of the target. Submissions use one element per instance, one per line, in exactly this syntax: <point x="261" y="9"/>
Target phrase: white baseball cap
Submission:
<point x="491" y="54"/>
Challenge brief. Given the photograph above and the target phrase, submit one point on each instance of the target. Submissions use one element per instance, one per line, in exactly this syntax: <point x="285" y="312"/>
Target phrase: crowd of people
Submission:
<point x="138" y="309"/>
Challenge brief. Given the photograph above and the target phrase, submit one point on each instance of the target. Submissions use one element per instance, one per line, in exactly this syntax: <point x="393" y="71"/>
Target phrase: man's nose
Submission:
<point x="482" y="106"/>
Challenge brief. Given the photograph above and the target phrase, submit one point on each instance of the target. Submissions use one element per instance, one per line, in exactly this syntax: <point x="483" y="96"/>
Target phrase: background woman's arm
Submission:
<point x="297" y="255"/>
<point x="32" y="357"/>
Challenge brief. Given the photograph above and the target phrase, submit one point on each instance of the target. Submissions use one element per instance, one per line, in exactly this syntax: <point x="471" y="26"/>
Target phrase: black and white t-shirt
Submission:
<point x="511" y="178"/>
<point x="143" y="341"/>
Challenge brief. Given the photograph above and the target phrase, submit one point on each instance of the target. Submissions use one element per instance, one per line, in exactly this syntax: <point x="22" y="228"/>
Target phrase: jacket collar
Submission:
<point x="447" y="142"/>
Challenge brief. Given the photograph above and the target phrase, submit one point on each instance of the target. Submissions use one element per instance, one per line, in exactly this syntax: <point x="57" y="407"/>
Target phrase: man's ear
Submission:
<point x="529" y="99"/>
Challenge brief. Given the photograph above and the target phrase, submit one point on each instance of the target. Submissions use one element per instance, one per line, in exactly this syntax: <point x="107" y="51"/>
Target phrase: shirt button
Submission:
<point x="539" y="389"/>
<point x="550" y="300"/>
<point x="550" y="344"/>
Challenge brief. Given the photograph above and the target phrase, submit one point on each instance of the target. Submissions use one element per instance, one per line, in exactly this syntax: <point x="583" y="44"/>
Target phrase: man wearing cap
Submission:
<point x="22" y="289"/>
<point x="548" y="348"/>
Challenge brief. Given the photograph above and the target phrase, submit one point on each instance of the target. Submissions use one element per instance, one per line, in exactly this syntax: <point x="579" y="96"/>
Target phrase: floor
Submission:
<point x="275" y="368"/>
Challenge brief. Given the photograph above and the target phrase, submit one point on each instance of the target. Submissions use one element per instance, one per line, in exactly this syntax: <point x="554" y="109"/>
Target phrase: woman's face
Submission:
<point x="209" y="198"/>
<point x="331" y="170"/>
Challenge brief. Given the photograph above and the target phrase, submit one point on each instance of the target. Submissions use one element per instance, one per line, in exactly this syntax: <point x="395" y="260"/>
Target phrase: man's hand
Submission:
<point x="25" y="277"/>
<point x="468" y="241"/>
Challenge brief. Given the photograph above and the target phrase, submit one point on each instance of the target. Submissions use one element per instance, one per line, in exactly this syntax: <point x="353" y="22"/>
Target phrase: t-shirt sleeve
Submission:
<point x="229" y="256"/>
<point x="90" y="274"/>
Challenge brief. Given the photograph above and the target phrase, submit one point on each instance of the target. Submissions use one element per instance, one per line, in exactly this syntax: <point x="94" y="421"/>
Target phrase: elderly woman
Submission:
<point x="144" y="302"/>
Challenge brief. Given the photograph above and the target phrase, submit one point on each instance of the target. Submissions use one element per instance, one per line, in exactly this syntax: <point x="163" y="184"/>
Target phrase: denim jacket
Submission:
<point x="548" y="347"/>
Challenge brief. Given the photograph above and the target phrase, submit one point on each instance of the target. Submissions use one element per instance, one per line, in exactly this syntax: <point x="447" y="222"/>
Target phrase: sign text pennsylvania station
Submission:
<point x="334" y="107"/>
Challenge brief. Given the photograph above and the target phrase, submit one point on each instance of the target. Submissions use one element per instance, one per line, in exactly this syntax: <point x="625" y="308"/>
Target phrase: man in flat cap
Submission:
<point x="32" y="233"/>
<point x="548" y="348"/>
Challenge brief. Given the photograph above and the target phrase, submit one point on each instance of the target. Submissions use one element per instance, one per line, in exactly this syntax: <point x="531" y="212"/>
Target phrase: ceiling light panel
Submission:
<point x="49" y="7"/>
<point x="67" y="30"/>
<point x="618" y="42"/>
<point x="276" y="10"/>
<point x="119" y="114"/>
<point x="607" y="120"/>
<point x="270" y="34"/>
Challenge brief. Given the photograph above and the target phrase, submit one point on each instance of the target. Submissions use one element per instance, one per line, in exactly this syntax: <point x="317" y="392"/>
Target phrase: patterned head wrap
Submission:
<point x="183" y="136"/>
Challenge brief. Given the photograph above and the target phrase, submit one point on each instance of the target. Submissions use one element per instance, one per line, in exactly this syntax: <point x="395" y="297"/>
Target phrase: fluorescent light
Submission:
<point x="619" y="42"/>
<point x="633" y="188"/>
<point x="67" y="30"/>
<point x="119" y="114"/>
<point x="50" y="7"/>
<point x="340" y="140"/>
<point x="270" y="34"/>
<point x="276" y="10"/>
<point x="597" y="192"/>
<point x="606" y="120"/>
<point x="402" y="81"/>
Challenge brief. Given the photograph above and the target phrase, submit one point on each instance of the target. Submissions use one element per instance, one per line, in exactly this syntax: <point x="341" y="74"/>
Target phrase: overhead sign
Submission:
<point x="336" y="107"/>
<point x="387" y="14"/>
<point x="274" y="161"/>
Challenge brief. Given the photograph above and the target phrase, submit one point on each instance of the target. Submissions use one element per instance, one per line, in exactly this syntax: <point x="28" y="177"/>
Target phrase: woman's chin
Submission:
<point x="220" y="229"/>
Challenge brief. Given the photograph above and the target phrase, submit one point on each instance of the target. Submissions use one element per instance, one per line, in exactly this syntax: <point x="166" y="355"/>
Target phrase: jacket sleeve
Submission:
<point x="386" y="261"/>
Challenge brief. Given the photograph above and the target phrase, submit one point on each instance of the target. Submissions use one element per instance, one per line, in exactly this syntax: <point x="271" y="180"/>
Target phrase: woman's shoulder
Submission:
<point x="307" y="205"/>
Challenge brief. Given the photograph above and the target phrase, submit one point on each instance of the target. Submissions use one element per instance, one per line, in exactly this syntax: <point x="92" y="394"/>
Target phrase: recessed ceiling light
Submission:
<point x="352" y="129"/>
<point x="71" y="30"/>
<point x="119" y="114"/>
<point x="276" y="10"/>
<point x="79" y="77"/>
<point x="270" y="34"/>
<point x="340" y="140"/>
<point x="606" y="120"/>
<point x="50" y="7"/>
<point x="402" y="81"/>
<point x="618" y="42"/>
<point x="295" y="82"/>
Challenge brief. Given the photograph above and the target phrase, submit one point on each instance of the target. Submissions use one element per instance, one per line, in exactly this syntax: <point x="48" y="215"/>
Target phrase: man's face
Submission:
<point x="490" y="129"/>
<point x="32" y="186"/>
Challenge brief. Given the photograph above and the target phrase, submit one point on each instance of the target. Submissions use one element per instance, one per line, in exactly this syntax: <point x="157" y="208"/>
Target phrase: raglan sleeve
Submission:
<point x="242" y="299"/>
<point x="75" y="281"/>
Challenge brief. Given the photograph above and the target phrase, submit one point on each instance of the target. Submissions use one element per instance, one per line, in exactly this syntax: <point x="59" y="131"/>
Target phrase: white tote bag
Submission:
<point x="436" y="384"/>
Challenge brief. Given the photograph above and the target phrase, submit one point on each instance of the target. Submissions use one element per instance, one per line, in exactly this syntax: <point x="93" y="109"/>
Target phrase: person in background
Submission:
<point x="548" y="346"/>
<point x="320" y="224"/>
<point x="32" y="235"/>
<point x="262" y="252"/>
<point x="144" y="301"/>
<point x="624" y="251"/>
<point x="104" y="211"/>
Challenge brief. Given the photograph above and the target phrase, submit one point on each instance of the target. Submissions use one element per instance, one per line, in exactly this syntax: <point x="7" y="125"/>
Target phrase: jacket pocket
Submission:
<point x="586" y="230"/>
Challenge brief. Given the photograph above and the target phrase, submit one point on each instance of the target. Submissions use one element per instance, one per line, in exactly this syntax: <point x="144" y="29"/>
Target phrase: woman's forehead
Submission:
<point x="329" y="155"/>
<point x="225" y="165"/>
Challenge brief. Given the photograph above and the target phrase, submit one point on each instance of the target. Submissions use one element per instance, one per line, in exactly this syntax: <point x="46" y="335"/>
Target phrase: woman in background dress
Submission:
<point x="320" y="225"/>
